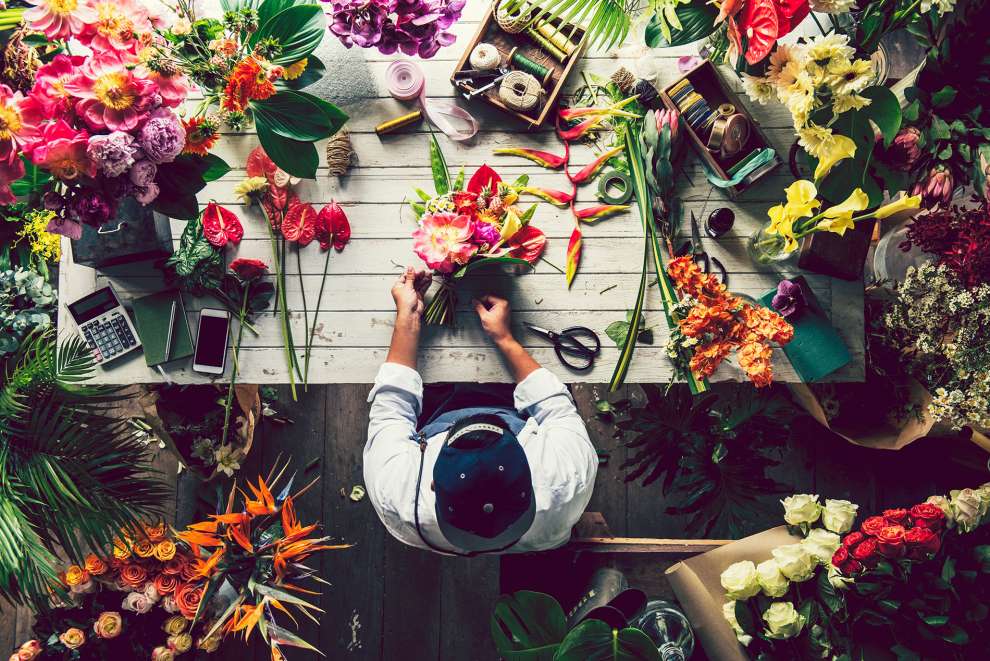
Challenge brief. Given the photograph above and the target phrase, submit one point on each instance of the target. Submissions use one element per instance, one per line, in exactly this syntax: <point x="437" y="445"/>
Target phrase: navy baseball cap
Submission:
<point x="483" y="485"/>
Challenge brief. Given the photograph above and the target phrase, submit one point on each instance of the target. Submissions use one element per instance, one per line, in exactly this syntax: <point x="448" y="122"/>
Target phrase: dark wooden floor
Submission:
<point x="390" y="602"/>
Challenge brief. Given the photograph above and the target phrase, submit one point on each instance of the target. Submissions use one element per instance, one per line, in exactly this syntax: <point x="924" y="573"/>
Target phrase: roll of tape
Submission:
<point x="485" y="57"/>
<point x="614" y="179"/>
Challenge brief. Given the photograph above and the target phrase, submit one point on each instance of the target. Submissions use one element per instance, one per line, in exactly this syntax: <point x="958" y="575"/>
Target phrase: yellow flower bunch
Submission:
<point x="809" y="76"/>
<point x="43" y="243"/>
<point x="796" y="218"/>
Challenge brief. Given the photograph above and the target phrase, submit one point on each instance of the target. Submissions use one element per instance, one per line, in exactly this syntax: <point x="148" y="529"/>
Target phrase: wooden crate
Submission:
<point x="705" y="79"/>
<point x="490" y="32"/>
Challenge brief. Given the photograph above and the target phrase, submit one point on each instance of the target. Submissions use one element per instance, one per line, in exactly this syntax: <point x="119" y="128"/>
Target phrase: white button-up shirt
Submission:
<point x="562" y="460"/>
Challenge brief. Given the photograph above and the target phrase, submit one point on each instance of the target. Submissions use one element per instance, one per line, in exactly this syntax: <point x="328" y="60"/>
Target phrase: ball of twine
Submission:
<point x="485" y="57"/>
<point x="624" y="80"/>
<point x="520" y="91"/>
<point x="339" y="151"/>
<point x="513" y="23"/>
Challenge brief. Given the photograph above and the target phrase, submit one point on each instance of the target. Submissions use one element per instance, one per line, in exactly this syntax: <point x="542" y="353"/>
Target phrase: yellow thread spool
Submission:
<point x="555" y="36"/>
<point x="397" y="123"/>
<point x="546" y="45"/>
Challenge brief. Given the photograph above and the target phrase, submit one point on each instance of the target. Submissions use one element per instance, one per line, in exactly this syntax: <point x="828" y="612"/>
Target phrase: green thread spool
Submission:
<point x="537" y="70"/>
<point x="616" y="179"/>
<point x="545" y="44"/>
<point x="555" y="36"/>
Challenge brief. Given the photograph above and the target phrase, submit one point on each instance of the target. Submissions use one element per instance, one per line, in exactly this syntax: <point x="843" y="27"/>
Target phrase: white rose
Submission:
<point x="822" y="544"/>
<point x="838" y="580"/>
<point x="772" y="582"/>
<point x="151" y="592"/>
<point x="740" y="580"/>
<point x="168" y="603"/>
<point x="136" y="602"/>
<point x="795" y="562"/>
<point x="729" y="613"/>
<point x="801" y="508"/>
<point x="966" y="509"/>
<point x="943" y="504"/>
<point x="783" y="621"/>
<point x="839" y="515"/>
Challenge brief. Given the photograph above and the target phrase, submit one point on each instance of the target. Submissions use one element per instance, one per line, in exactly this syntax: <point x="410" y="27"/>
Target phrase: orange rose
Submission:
<point x="165" y="550"/>
<point x="76" y="575"/>
<point x="189" y="572"/>
<point x="108" y="625"/>
<point x="187" y="598"/>
<point x="144" y="548"/>
<point x="95" y="565"/>
<point x="133" y="576"/>
<point x="73" y="638"/>
<point x="28" y="651"/>
<point x="166" y="584"/>
<point x="156" y="533"/>
<point x="174" y="566"/>
<point x="121" y="549"/>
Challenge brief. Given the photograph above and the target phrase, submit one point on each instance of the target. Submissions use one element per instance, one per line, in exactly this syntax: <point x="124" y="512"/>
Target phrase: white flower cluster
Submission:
<point x="792" y="563"/>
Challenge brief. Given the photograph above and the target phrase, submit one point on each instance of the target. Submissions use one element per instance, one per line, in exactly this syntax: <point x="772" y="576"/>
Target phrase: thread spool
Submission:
<point x="555" y="36"/>
<point x="545" y="44"/>
<point x="395" y="124"/>
<point x="520" y="91"/>
<point x="485" y="57"/>
<point x="540" y="72"/>
<point x="513" y="23"/>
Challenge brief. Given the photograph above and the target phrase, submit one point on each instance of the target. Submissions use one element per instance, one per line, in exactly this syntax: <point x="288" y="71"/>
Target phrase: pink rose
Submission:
<point x="136" y="602"/>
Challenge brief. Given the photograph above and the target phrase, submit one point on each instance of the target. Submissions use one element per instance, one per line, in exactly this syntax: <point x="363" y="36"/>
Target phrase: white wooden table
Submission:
<point x="355" y="322"/>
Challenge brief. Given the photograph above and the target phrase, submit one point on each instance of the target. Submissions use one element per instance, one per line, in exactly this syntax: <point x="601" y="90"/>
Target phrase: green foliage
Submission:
<point x="182" y="179"/>
<point x="593" y="640"/>
<point x="27" y="303"/>
<point x="711" y="453"/>
<point x="34" y="181"/>
<point x="697" y="21"/>
<point x="298" y="30"/>
<point x="72" y="475"/>
<point x="438" y="166"/>
<point x="491" y="261"/>
<point x="607" y="21"/>
<point x="196" y="266"/>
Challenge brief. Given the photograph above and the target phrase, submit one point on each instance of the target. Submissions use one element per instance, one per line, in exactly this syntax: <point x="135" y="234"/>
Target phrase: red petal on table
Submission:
<point x="300" y="224"/>
<point x="485" y="177"/>
<point x="220" y="225"/>
<point x="259" y="165"/>
<point x="528" y="243"/>
<point x="758" y="21"/>
<point x="573" y="255"/>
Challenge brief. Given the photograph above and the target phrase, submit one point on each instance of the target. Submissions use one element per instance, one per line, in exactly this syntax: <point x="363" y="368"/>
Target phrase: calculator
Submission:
<point x="104" y="324"/>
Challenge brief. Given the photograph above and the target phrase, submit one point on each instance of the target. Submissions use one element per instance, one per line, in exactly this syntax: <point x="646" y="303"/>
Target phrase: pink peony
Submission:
<point x="173" y="89"/>
<point x="111" y="96"/>
<point x="62" y="151"/>
<point x="49" y="84"/>
<point x="120" y="26"/>
<point x="59" y="19"/>
<point x="443" y="241"/>
<point x="10" y="171"/>
<point x="16" y="126"/>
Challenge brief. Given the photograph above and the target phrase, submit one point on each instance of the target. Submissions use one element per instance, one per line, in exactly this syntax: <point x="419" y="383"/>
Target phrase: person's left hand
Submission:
<point x="409" y="290"/>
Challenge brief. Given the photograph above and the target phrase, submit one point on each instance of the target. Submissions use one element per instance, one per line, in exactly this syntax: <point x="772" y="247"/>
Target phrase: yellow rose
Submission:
<point x="783" y="621"/>
<point x="162" y="654"/>
<point x="772" y="582"/>
<point x="108" y="625"/>
<point x="121" y="549"/>
<point x="175" y="625"/>
<point x="144" y="549"/>
<point x="801" y="508"/>
<point x="740" y="580"/>
<point x="839" y="515"/>
<point x="840" y="148"/>
<point x="73" y="638"/>
<point x="209" y="645"/>
<point x="165" y="550"/>
<point x="76" y="575"/>
<point x="903" y="203"/>
<point x="795" y="562"/>
<point x="180" y="643"/>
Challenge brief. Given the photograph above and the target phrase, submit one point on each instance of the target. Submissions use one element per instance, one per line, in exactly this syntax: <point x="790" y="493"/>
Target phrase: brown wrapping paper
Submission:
<point x="696" y="583"/>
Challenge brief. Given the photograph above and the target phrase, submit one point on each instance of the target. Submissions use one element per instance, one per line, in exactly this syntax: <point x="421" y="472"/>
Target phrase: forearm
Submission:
<point x="520" y="362"/>
<point x="405" y="340"/>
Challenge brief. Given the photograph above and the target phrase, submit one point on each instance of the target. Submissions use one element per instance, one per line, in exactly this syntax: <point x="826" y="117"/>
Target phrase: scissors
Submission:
<point x="566" y="343"/>
<point x="698" y="254"/>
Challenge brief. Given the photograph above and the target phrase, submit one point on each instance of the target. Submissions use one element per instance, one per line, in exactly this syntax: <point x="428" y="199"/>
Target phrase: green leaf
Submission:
<point x="603" y="407"/>
<point x="948" y="570"/>
<point x="911" y="111"/>
<point x="527" y="625"/>
<point x="945" y="153"/>
<point x="296" y="157"/>
<point x="438" y="165"/>
<point x="697" y="22"/>
<point x="216" y="167"/>
<point x="618" y="331"/>
<point x="459" y="180"/>
<point x="594" y="640"/>
<point x="490" y="261"/>
<point x="293" y="115"/>
<point x="939" y="130"/>
<point x="744" y="616"/>
<point x="885" y="111"/>
<point x="944" y="96"/>
<point x="34" y="179"/>
<point x="936" y="620"/>
<point x="955" y="635"/>
<point x="828" y="594"/>
<point x="527" y="215"/>
<point x="179" y="181"/>
<point x="315" y="71"/>
<point x="335" y="116"/>
<point x="299" y="30"/>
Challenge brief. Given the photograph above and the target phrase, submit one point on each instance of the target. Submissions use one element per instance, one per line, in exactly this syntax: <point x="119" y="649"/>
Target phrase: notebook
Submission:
<point x="152" y="315"/>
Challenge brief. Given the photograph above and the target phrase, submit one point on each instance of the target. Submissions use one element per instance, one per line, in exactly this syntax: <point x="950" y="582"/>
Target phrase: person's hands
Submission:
<point x="495" y="315"/>
<point x="409" y="290"/>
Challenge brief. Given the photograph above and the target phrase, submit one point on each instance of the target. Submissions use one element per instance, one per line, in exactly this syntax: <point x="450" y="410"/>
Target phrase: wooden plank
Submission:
<point x="611" y="492"/>
<point x="465" y="632"/>
<point x="656" y="546"/>
<point x="412" y="606"/>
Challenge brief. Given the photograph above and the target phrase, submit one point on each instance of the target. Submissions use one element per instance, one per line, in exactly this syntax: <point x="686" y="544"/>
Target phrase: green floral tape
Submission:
<point x="617" y="179"/>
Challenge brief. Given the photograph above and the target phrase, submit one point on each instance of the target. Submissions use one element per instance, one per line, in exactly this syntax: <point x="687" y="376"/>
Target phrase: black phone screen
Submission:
<point x="211" y="345"/>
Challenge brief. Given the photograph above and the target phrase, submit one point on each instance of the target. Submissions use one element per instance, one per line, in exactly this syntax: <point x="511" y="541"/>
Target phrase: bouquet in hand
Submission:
<point x="461" y="229"/>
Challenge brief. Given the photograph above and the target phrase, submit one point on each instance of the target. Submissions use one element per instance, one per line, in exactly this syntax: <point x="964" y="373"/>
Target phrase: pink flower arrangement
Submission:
<point x="60" y="19"/>
<point x="445" y="240"/>
<point x="112" y="96"/>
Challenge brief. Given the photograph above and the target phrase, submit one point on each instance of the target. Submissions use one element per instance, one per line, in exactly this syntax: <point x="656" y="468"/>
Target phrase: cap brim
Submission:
<point x="465" y="541"/>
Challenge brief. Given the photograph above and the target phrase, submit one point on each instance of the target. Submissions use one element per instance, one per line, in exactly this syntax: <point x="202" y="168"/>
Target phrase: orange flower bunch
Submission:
<point x="253" y="79"/>
<point x="718" y="323"/>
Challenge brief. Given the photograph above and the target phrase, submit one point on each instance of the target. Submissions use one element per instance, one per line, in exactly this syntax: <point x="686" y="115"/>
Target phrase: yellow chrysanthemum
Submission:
<point x="295" y="69"/>
<point x="849" y="77"/>
<point x="35" y="230"/>
<point x="815" y="138"/>
<point x="249" y="190"/>
<point x="846" y="102"/>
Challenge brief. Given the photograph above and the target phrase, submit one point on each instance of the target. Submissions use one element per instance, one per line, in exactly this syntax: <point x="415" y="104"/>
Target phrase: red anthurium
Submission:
<point x="299" y="224"/>
<point x="758" y="21"/>
<point x="259" y="165"/>
<point x="220" y="225"/>
<point x="484" y="178"/>
<point x="332" y="227"/>
<point x="789" y="15"/>
<point x="528" y="243"/>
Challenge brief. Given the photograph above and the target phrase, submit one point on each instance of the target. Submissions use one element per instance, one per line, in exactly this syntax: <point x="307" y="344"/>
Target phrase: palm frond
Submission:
<point x="607" y="22"/>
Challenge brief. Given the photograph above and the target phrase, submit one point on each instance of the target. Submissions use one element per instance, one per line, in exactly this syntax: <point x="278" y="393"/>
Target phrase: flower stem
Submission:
<point x="233" y="375"/>
<point x="280" y="298"/>
<point x="302" y="287"/>
<point x="316" y="313"/>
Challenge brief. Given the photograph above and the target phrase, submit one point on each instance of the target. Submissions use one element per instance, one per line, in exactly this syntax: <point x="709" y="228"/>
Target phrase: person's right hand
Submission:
<point x="495" y="316"/>
<point x="408" y="292"/>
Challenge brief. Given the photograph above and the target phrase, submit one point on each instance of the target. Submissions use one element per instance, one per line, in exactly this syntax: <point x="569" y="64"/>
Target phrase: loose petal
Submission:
<point x="557" y="197"/>
<point x="590" y="170"/>
<point x="542" y="158"/>
<point x="591" y="214"/>
<point x="573" y="255"/>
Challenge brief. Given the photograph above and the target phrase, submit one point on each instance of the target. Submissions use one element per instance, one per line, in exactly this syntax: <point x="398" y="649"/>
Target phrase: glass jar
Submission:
<point x="767" y="249"/>
<point x="669" y="630"/>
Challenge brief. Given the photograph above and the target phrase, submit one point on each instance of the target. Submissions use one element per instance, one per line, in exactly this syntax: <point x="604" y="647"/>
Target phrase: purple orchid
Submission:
<point x="415" y="27"/>
<point x="789" y="299"/>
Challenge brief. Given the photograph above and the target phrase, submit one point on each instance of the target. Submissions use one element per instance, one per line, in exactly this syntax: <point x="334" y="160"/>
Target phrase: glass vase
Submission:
<point x="767" y="249"/>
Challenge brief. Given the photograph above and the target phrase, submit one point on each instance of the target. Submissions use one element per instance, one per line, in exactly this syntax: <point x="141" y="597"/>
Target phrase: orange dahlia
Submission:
<point x="250" y="80"/>
<point x="201" y="136"/>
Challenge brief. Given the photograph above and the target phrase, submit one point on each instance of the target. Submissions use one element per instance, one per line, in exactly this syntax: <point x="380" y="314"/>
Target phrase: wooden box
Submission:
<point x="490" y="32"/>
<point x="706" y="80"/>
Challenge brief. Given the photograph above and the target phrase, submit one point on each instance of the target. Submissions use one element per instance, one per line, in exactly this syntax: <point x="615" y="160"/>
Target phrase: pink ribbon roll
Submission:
<point x="407" y="82"/>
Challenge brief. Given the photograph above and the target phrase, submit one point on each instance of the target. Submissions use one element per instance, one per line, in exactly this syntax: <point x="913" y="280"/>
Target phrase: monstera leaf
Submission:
<point x="528" y="626"/>
<point x="593" y="640"/>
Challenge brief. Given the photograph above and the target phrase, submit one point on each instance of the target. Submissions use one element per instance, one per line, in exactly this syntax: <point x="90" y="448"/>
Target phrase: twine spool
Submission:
<point x="542" y="73"/>
<point x="623" y="79"/>
<point x="555" y="36"/>
<point x="339" y="152"/>
<point x="513" y="23"/>
<point x="545" y="44"/>
<point x="520" y="91"/>
<point x="485" y="57"/>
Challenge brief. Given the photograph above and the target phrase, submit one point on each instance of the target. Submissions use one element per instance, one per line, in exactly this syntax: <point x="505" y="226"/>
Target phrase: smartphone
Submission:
<point x="211" y="341"/>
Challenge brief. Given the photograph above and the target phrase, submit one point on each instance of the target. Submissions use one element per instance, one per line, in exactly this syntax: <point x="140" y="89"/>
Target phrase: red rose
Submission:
<point x="852" y="539"/>
<point x="921" y="542"/>
<point x="873" y="525"/>
<point x="928" y="515"/>
<point x="891" y="541"/>
<point x="248" y="269"/>
<point x="865" y="551"/>
<point x="848" y="566"/>
<point x="898" y="517"/>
